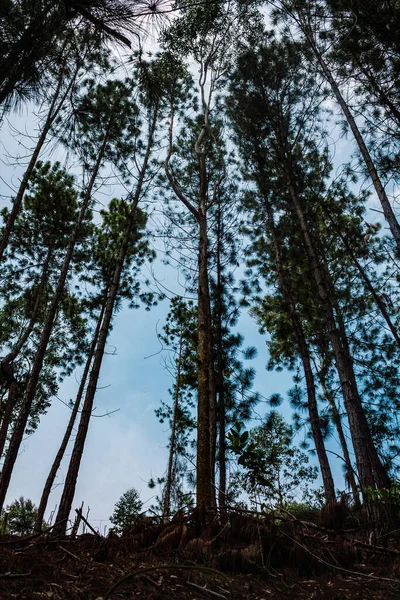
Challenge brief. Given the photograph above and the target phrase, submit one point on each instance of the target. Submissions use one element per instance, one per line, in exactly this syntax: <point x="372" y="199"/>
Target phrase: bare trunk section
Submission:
<point x="51" y="116"/>
<point x="204" y="491"/>
<point x="171" y="456"/>
<point x="76" y="456"/>
<point x="7" y="414"/>
<point x="9" y="359"/>
<point x="30" y="391"/>
<point x="342" y="438"/>
<point x="206" y="451"/>
<point x="329" y="486"/>
<point x="370" y="469"/>
<point x="61" y="451"/>
<point x="220" y="388"/>
<point x="221" y="440"/>
<point x="213" y="409"/>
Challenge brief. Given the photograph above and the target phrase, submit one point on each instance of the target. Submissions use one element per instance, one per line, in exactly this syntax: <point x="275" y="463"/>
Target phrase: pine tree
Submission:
<point x="131" y="220"/>
<point x="37" y="246"/>
<point x="105" y="123"/>
<point x="179" y="337"/>
<point x="275" y="142"/>
<point x="32" y="35"/>
<point x="195" y="176"/>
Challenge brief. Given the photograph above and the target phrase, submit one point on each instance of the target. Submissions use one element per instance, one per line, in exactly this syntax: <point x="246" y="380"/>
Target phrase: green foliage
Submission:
<point x="126" y="511"/>
<point x="35" y="253"/>
<point x="388" y="496"/>
<point x="302" y="511"/>
<point x="273" y="471"/>
<point x="21" y="516"/>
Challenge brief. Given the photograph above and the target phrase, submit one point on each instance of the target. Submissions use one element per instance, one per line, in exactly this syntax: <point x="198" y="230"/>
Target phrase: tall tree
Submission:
<point x="132" y="223"/>
<point x="105" y="122"/>
<point x="179" y="337"/>
<point x="205" y="34"/>
<point x="274" y="141"/>
<point x="282" y="268"/>
<point x="304" y="18"/>
<point x="37" y="247"/>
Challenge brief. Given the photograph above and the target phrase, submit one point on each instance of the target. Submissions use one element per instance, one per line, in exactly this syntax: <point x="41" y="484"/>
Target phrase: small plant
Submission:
<point x="272" y="469"/>
<point x="126" y="511"/>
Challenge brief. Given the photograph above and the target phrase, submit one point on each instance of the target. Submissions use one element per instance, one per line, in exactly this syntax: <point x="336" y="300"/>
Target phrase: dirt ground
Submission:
<point x="302" y="564"/>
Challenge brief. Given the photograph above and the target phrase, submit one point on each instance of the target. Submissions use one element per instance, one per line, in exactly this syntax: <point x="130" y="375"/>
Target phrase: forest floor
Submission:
<point x="257" y="561"/>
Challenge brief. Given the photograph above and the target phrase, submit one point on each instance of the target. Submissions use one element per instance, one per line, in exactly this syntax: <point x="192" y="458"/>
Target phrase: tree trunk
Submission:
<point x="76" y="456"/>
<point x="7" y="414"/>
<point x="329" y="486"/>
<point x="33" y="379"/>
<point x="171" y="457"/>
<point x="204" y="490"/>
<point x="342" y="438"/>
<point x="61" y="451"/>
<point x="206" y="427"/>
<point x="51" y="116"/>
<point x="220" y="369"/>
<point x="370" y="469"/>
<point x="213" y="411"/>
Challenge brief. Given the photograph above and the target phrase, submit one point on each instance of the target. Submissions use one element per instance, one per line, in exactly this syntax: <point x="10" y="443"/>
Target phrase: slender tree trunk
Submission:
<point x="9" y="359"/>
<point x="76" y="456"/>
<point x="206" y="429"/>
<point x="7" y="415"/>
<point x="54" y="110"/>
<point x="171" y="457"/>
<point x="342" y="438"/>
<point x="61" y="451"/>
<point x="220" y="369"/>
<point x="213" y="411"/>
<point x="381" y="478"/>
<point x="206" y="410"/>
<point x="221" y="440"/>
<point x="329" y="486"/>
<point x="370" y="469"/>
<point x="30" y="392"/>
<point x="204" y="489"/>
<point x="369" y="163"/>
<point x="35" y="312"/>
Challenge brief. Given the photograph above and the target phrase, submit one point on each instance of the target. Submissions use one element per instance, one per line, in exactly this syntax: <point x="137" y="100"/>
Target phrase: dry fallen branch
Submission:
<point x="70" y="553"/>
<point x="14" y="575"/>
<point x="355" y="542"/>
<point x="79" y="512"/>
<point x="205" y="590"/>
<point x="33" y="536"/>
<point x="191" y="567"/>
<point x="332" y="566"/>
